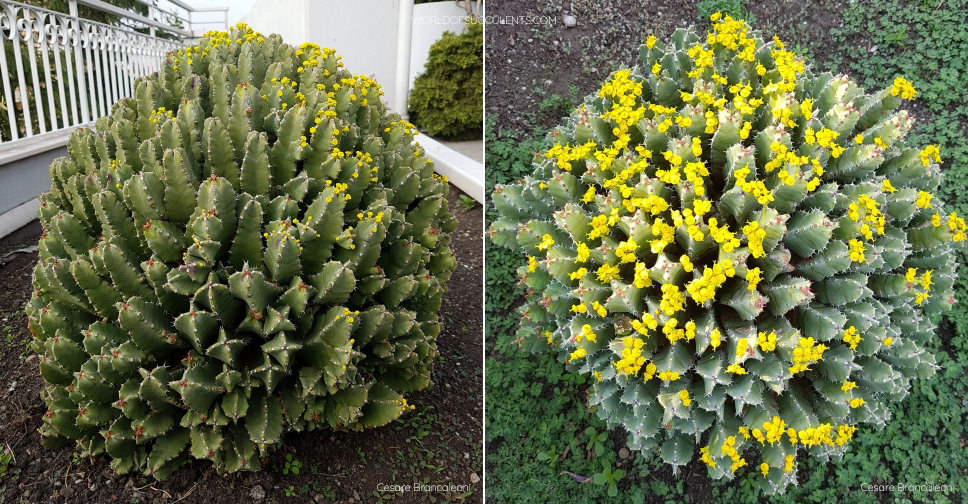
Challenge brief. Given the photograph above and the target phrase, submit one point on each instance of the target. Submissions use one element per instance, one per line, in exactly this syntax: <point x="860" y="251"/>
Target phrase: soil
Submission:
<point x="438" y="443"/>
<point x="532" y="54"/>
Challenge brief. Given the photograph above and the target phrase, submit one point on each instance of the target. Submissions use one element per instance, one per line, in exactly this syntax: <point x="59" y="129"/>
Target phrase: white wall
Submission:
<point x="430" y="21"/>
<point x="363" y="32"/>
<point x="288" y="18"/>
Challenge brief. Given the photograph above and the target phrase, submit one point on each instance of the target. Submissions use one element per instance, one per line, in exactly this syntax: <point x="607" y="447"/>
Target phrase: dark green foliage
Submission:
<point x="738" y="9"/>
<point x="447" y="99"/>
<point x="251" y="245"/>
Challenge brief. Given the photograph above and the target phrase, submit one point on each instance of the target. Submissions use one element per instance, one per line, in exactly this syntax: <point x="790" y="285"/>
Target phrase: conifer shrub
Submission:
<point x="447" y="100"/>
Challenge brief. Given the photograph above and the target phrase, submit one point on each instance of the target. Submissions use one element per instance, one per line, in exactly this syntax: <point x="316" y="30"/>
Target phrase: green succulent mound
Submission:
<point x="744" y="255"/>
<point x="251" y="245"/>
<point x="447" y="100"/>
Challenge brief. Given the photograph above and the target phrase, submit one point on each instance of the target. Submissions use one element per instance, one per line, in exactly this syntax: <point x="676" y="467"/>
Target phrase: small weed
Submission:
<point x="610" y="477"/>
<point x="291" y="491"/>
<point x="292" y="465"/>
<point x="467" y="202"/>
<point x="596" y="442"/>
<point x="5" y="459"/>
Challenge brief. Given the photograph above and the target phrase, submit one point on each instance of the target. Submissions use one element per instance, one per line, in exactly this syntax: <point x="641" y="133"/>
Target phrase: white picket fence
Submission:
<point x="60" y="70"/>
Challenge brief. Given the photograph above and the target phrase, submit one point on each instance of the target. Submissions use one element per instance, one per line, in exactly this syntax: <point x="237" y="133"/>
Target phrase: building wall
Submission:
<point x="363" y="32"/>
<point x="288" y="18"/>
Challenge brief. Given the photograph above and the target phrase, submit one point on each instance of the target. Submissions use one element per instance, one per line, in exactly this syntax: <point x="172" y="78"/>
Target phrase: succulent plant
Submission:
<point x="250" y="245"/>
<point x="745" y="255"/>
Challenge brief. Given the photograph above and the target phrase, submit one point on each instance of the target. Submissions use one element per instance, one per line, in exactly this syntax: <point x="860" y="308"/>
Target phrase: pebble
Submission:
<point x="67" y="492"/>
<point x="623" y="453"/>
<point x="475" y="478"/>
<point x="257" y="493"/>
<point x="569" y="20"/>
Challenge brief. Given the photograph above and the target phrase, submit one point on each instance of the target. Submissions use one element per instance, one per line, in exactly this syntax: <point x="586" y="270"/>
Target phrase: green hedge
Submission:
<point x="447" y="100"/>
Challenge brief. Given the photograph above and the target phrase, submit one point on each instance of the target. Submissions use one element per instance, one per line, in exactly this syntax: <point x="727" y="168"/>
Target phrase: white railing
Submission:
<point x="59" y="70"/>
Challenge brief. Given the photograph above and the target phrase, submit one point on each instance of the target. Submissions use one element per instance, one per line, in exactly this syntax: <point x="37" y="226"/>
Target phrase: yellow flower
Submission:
<point x="856" y="250"/>
<point x="753" y="277"/>
<point x="684" y="395"/>
<point x="767" y="342"/>
<point x="715" y="338"/>
<point x="851" y="337"/>
<point x="903" y="88"/>
<point x="930" y="152"/>
<point x="546" y="242"/>
<point x="668" y="376"/>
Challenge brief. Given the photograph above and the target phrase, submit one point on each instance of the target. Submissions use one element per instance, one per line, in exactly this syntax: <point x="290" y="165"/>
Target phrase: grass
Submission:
<point x="538" y="429"/>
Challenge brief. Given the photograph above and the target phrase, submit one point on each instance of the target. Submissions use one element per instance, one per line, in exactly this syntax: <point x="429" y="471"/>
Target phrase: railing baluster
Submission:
<point x="28" y="39"/>
<point x="18" y="61"/>
<point x="9" y="18"/>
<point x="122" y="67"/>
<point x="79" y="64"/>
<point x="112" y="57"/>
<point x="128" y="48"/>
<point x="61" y="92"/>
<point x="45" y="60"/>
<point x="69" y="38"/>
<point x="90" y="38"/>
<point x="101" y="77"/>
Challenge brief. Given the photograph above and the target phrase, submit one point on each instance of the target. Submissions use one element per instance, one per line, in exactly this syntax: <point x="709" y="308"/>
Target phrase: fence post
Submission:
<point x="151" y="14"/>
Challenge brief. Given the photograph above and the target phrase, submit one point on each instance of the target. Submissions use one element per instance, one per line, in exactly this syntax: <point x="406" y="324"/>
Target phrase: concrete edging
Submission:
<point x="462" y="171"/>
<point x="18" y="217"/>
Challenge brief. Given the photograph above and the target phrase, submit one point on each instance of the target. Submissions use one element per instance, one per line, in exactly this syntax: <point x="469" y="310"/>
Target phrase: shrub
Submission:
<point x="745" y="256"/>
<point x="447" y="100"/>
<point x="251" y="245"/>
